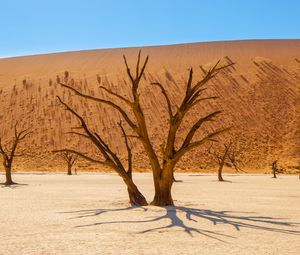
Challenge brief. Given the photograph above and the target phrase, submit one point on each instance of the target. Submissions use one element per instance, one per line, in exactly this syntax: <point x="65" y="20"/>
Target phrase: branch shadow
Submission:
<point x="189" y="214"/>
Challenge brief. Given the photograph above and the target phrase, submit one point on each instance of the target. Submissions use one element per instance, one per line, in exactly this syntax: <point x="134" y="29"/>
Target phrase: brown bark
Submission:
<point x="220" y="170"/>
<point x="163" y="195"/>
<point x="274" y="169"/>
<point x="135" y="196"/>
<point x="69" y="169"/>
<point x="8" y="176"/>
<point x="163" y="187"/>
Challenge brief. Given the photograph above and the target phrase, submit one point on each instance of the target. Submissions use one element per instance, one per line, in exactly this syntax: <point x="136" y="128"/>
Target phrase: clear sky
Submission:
<point x="41" y="26"/>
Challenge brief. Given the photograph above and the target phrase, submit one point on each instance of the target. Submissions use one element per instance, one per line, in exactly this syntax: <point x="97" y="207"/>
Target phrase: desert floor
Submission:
<point x="89" y="214"/>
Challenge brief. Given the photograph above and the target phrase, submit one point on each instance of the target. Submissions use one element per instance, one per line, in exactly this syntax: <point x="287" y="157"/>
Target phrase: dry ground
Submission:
<point x="89" y="214"/>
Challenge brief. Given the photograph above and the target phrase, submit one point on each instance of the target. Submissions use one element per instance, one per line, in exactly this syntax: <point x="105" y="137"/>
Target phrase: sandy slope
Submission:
<point x="259" y="95"/>
<point x="88" y="214"/>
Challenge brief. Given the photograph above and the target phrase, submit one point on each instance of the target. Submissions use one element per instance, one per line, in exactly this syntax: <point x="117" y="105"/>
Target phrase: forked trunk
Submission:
<point x="220" y="170"/>
<point x="163" y="188"/>
<point x="69" y="169"/>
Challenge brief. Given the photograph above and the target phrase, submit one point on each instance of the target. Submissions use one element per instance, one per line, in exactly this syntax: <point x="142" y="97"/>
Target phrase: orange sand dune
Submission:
<point x="259" y="95"/>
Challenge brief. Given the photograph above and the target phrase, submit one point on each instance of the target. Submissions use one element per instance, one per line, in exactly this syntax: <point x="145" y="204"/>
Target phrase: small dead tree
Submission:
<point x="226" y="155"/>
<point x="8" y="152"/>
<point x="69" y="158"/>
<point x="163" y="172"/>
<point x="276" y="169"/>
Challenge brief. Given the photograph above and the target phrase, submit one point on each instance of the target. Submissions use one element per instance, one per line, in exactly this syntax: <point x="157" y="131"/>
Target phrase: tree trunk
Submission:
<point x="8" y="176"/>
<point x="163" y="188"/>
<point x="220" y="177"/>
<point x="135" y="196"/>
<point x="69" y="169"/>
<point x="163" y="196"/>
<point x="274" y="174"/>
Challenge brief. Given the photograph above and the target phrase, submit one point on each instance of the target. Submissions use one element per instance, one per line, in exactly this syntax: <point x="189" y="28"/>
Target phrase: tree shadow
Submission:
<point x="12" y="186"/>
<point x="224" y="181"/>
<point x="189" y="214"/>
<point x="96" y="212"/>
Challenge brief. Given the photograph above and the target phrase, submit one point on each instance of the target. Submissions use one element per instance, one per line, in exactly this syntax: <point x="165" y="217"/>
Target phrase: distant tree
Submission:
<point x="227" y="154"/>
<point x="276" y="169"/>
<point x="8" y="151"/>
<point x="163" y="172"/>
<point x="68" y="157"/>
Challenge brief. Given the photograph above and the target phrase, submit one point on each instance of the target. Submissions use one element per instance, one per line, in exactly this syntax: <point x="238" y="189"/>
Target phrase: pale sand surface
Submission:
<point x="89" y="214"/>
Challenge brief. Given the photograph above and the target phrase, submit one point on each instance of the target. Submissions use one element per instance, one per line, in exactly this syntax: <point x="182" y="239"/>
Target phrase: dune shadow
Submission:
<point x="180" y="216"/>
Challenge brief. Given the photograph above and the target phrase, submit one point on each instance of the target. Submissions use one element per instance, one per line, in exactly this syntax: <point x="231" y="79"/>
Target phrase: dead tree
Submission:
<point x="276" y="169"/>
<point x="110" y="158"/>
<point x="69" y="158"/>
<point x="8" y="152"/>
<point x="226" y="155"/>
<point x="194" y="94"/>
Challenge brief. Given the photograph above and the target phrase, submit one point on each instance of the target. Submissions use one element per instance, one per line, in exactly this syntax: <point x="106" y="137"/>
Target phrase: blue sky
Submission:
<point x="41" y="26"/>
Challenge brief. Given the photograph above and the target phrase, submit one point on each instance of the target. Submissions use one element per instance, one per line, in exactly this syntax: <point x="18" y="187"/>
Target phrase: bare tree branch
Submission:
<point x="129" y="149"/>
<point x="116" y="95"/>
<point x="77" y="133"/>
<point x="115" y="106"/>
<point x="197" y="125"/>
<point x="164" y="92"/>
<point x="195" y="144"/>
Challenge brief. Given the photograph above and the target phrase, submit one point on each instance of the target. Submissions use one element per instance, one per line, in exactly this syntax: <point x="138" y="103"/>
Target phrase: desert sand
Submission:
<point x="259" y="95"/>
<point x="89" y="214"/>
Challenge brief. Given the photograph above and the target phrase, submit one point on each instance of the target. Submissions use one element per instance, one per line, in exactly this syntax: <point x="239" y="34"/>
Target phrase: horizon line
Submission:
<point x="146" y="46"/>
